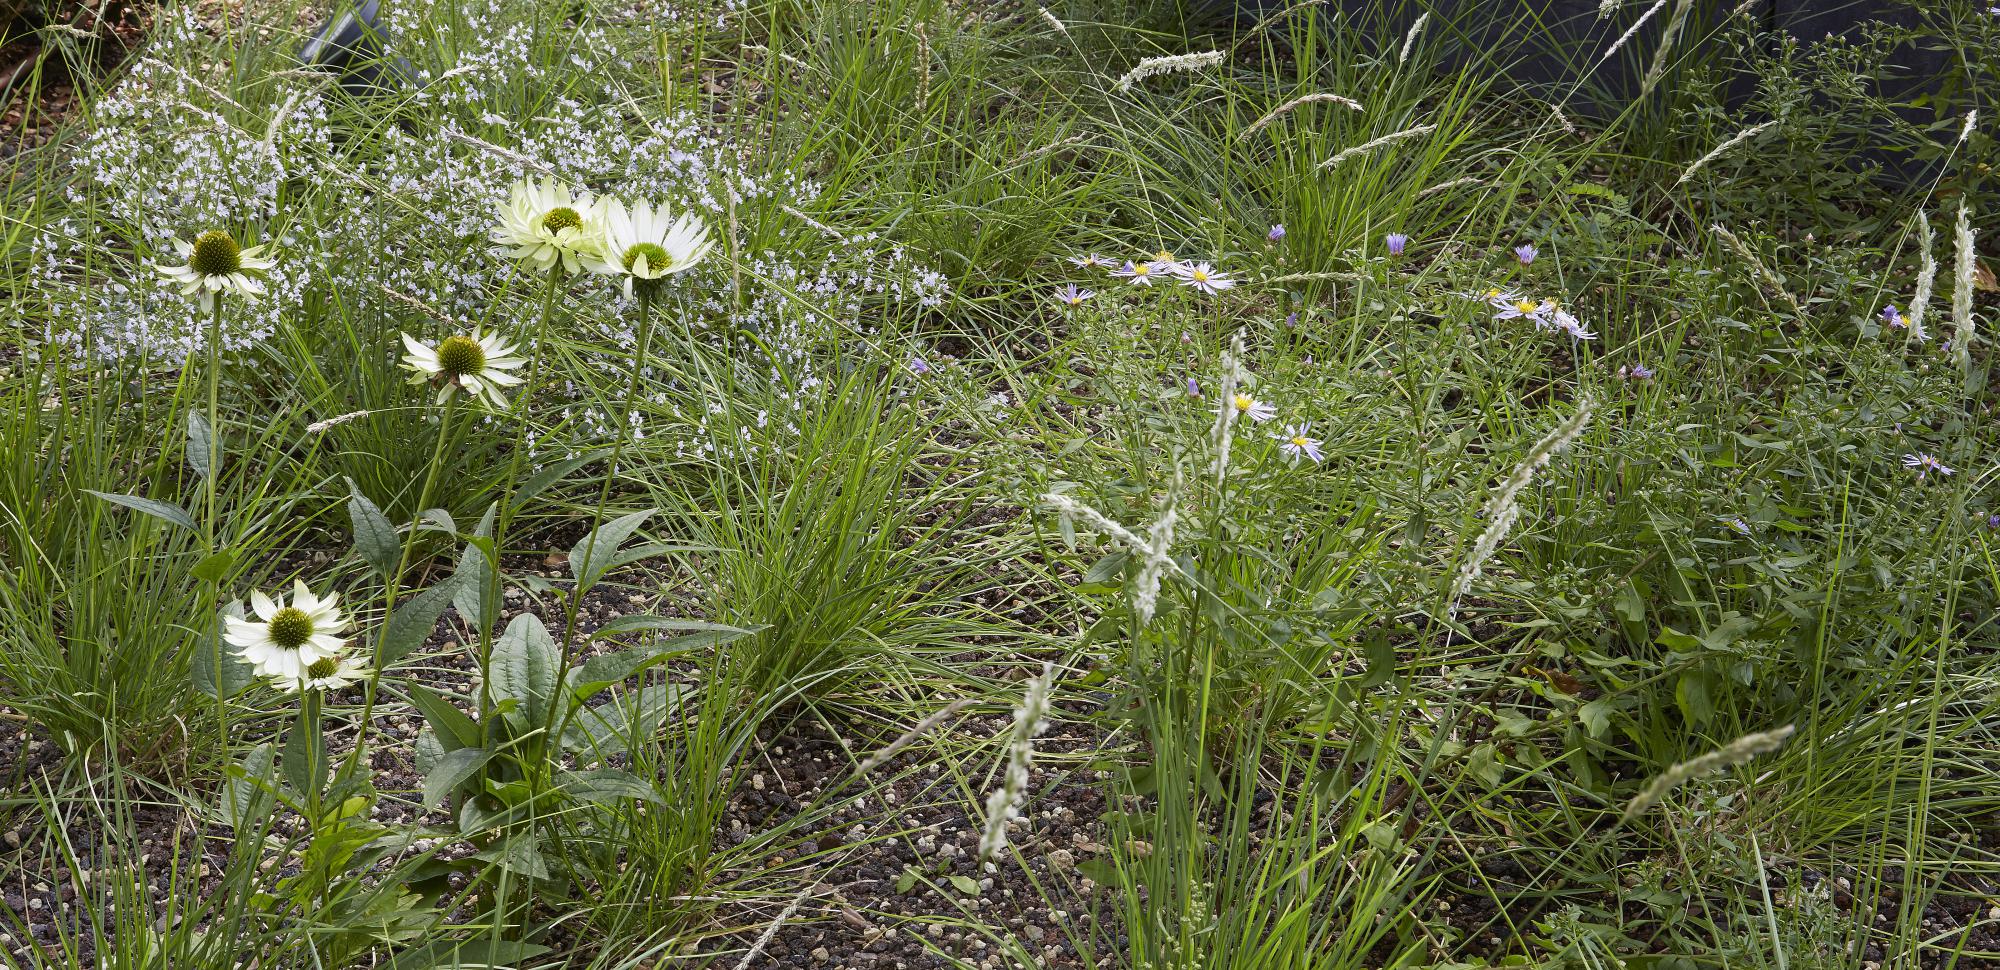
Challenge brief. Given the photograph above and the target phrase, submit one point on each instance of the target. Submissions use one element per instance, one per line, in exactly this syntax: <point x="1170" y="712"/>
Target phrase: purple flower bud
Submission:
<point x="1292" y="319"/>
<point x="1993" y="521"/>
<point x="1193" y="389"/>
<point x="1396" y="241"/>
<point x="1526" y="253"/>
<point x="918" y="366"/>
<point x="1277" y="232"/>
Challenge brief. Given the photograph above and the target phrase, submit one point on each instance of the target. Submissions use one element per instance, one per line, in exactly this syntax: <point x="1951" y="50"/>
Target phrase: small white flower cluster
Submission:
<point x="1004" y="804"/>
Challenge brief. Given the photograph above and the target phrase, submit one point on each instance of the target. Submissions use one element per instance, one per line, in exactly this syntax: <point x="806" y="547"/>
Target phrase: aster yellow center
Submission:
<point x="323" y="668"/>
<point x="1198" y="276"/>
<point x="215" y="254"/>
<point x="656" y="256"/>
<point x="1301" y="440"/>
<point x="461" y="356"/>
<point x="561" y="218"/>
<point x="291" y="628"/>
<point x="1142" y="269"/>
<point x="1244" y="402"/>
<point x="1525" y="306"/>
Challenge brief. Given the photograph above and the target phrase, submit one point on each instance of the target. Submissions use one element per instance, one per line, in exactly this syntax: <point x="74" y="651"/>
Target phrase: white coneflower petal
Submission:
<point x="1152" y="66"/>
<point x="547" y="224"/>
<point x="213" y="264"/>
<point x="643" y="245"/>
<point x="476" y="363"/>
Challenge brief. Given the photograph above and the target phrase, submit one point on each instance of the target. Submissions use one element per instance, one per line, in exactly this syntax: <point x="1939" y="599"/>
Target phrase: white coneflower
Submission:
<point x="327" y="674"/>
<point x="214" y="264"/>
<point x="1287" y="108"/>
<point x="288" y="638"/>
<point x="1629" y="34"/>
<point x="644" y="245"/>
<point x="1004" y="805"/>
<point x="1722" y="149"/>
<point x="1203" y="277"/>
<point x="1927" y="267"/>
<point x="1410" y="39"/>
<point x="1505" y="505"/>
<point x="1734" y="753"/>
<point x="476" y="363"/>
<point x="1168" y="65"/>
<point x="1961" y="292"/>
<point x="547" y="224"/>
<point x="1391" y="138"/>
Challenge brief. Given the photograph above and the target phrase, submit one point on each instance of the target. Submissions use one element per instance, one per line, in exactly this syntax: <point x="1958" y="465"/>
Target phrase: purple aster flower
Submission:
<point x="1292" y="319"/>
<point x="1073" y="297"/>
<point x="1277" y="232"/>
<point x="1737" y="523"/>
<point x="1925" y="463"/>
<point x="918" y="366"/>
<point x="1526" y="253"/>
<point x="1993" y="521"/>
<point x="1193" y="388"/>
<point x="1395" y="241"/>
<point x="1636" y="372"/>
<point x="1893" y="317"/>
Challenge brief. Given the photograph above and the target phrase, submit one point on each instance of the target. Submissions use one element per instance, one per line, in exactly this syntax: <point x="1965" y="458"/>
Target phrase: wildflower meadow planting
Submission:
<point x="897" y="484"/>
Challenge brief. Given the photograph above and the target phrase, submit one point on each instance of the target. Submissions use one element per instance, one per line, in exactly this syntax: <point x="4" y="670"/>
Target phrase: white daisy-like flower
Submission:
<point x="645" y="245"/>
<point x="1567" y="322"/>
<point x="1203" y="277"/>
<point x="213" y="264"/>
<point x="545" y="224"/>
<point x="1090" y="261"/>
<point x="1494" y="297"/>
<point x="1534" y="311"/>
<point x="328" y="674"/>
<point x="1073" y="297"/>
<point x="1297" y="443"/>
<point x="1249" y="407"/>
<point x="1164" y="262"/>
<point x="1141" y="274"/>
<point x="476" y="363"/>
<point x="1925" y="463"/>
<point x="288" y="638"/>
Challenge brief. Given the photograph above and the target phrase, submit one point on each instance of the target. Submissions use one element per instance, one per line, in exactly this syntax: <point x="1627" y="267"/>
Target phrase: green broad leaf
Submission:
<point x="214" y="567"/>
<point x="204" y="668"/>
<point x="438" y="520"/>
<point x="427" y="750"/>
<point x="200" y="440"/>
<point x="634" y="717"/>
<point x="597" y="552"/>
<point x="454" y="729"/>
<point x="607" y="786"/>
<point x="519" y="854"/>
<point x="482" y="952"/>
<point x="907" y="880"/>
<point x="164" y="511"/>
<point x="1596" y="716"/>
<point x="965" y="884"/>
<point x="523" y="666"/>
<point x="453" y="771"/>
<point x="413" y="620"/>
<point x="375" y="539"/>
<point x="1106" y="569"/>
<point x="1695" y="696"/>
<point x="250" y="788"/>
<point x="474" y="575"/>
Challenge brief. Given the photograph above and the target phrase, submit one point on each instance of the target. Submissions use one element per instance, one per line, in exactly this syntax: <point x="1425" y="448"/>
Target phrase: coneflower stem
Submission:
<point x="214" y="465"/>
<point x="393" y="583"/>
<point x="645" y="295"/>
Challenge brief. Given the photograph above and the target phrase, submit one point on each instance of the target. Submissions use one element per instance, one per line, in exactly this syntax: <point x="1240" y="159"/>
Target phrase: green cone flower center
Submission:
<point x="291" y="628"/>
<point x="323" y="668"/>
<point x="561" y="218"/>
<point x="461" y="356"/>
<point x="656" y="257"/>
<point x="215" y="254"/>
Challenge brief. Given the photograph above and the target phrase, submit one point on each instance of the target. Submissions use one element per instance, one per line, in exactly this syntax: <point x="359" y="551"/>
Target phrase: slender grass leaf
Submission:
<point x="165" y="511"/>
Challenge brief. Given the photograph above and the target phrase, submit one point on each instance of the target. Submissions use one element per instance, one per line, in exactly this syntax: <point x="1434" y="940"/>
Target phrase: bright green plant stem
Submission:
<point x="626" y="404"/>
<point x="392" y="584"/>
<point x="214" y="468"/>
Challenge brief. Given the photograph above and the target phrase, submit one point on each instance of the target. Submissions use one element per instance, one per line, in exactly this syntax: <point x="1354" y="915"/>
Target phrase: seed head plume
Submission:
<point x="1168" y="65"/>
<point x="1004" y="805"/>
<point x="1392" y="137"/>
<point x="1505" y="505"/>
<point x="1722" y="149"/>
<point x="1286" y="108"/>
<point x="1927" y="267"/>
<point x="1736" y="752"/>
